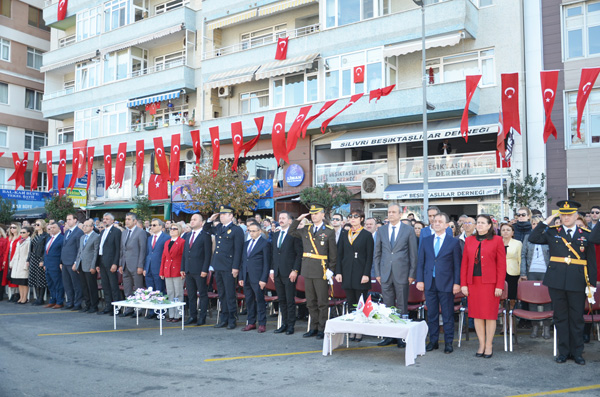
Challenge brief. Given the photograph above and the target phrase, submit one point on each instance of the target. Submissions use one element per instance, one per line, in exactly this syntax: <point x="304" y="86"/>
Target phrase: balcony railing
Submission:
<point x="349" y="173"/>
<point x="66" y="41"/>
<point x="451" y="167"/>
<point x="262" y="41"/>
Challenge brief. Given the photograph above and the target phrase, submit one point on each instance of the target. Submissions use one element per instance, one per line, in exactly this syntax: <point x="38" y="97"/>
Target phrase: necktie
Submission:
<point x="128" y="235"/>
<point x="49" y="244"/>
<point x="281" y="237"/>
<point x="68" y="234"/>
<point x="569" y="233"/>
<point x="315" y="230"/>
<point x="250" y="246"/>
<point x="85" y="240"/>
<point x="436" y="247"/>
<point x="154" y="241"/>
<point x="192" y="239"/>
<point x="393" y="238"/>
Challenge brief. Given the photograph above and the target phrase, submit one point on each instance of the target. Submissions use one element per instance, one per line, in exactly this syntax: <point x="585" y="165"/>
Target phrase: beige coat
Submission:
<point x="18" y="265"/>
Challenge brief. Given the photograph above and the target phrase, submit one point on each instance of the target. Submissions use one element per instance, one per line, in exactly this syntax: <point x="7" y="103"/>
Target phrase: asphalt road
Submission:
<point x="46" y="352"/>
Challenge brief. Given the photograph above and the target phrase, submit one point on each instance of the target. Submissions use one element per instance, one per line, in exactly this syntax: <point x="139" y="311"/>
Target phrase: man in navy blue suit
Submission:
<point x="71" y="281"/>
<point x="154" y="250"/>
<point x="253" y="277"/>
<point x="438" y="274"/>
<point x="51" y="264"/>
<point x="428" y="231"/>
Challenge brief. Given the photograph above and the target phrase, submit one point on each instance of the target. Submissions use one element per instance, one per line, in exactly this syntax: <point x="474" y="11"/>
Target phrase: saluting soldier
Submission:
<point x="319" y="257"/>
<point x="572" y="266"/>
<point x="229" y="243"/>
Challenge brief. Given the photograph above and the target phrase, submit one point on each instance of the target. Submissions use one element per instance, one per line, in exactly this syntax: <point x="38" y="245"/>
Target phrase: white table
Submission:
<point x="414" y="333"/>
<point x="159" y="309"/>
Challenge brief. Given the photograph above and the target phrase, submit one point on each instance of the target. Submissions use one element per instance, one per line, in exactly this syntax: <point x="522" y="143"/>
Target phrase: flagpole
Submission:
<point x="501" y="188"/>
<point x="421" y="3"/>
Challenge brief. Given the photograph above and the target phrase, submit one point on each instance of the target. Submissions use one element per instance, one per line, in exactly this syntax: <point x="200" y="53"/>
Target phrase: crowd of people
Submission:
<point x="59" y="264"/>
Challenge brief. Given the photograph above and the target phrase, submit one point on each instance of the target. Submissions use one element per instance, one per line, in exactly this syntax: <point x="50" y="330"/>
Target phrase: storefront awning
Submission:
<point x="31" y="213"/>
<point x="281" y="6"/>
<point x="153" y="98"/>
<point x="292" y="65"/>
<point x="416" y="45"/>
<point x="445" y="129"/>
<point x="67" y="62"/>
<point x="143" y="39"/>
<point x="446" y="189"/>
<point x="232" y="77"/>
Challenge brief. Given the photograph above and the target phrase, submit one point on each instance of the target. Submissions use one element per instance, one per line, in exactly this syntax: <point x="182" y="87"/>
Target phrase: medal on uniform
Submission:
<point x="228" y="231"/>
<point x="582" y="248"/>
<point x="356" y="255"/>
<point x="322" y="242"/>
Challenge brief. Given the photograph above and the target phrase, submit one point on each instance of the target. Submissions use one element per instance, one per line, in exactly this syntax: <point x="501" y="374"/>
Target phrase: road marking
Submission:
<point x="119" y="330"/>
<point x="23" y="314"/>
<point x="561" y="391"/>
<point x="284" y="354"/>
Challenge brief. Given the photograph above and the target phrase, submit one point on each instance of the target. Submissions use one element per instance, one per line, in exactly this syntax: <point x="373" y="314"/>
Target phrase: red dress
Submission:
<point x="6" y="258"/>
<point x="491" y="255"/>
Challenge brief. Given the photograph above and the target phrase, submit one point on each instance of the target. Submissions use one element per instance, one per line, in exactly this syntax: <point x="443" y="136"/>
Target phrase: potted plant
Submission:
<point x="151" y="126"/>
<point x="192" y="121"/>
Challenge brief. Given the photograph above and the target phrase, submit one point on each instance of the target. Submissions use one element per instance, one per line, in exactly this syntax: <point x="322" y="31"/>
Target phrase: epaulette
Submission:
<point x="329" y="227"/>
<point x="585" y="229"/>
<point x="554" y="226"/>
<point x="308" y="224"/>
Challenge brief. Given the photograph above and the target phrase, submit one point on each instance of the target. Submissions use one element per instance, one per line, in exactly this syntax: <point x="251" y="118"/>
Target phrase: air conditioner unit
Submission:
<point x="189" y="155"/>
<point x="372" y="186"/>
<point x="225" y="92"/>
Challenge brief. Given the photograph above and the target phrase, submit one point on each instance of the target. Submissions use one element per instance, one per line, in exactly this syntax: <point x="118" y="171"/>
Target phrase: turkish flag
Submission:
<point x="353" y="99"/>
<point x="157" y="187"/>
<point x="175" y="154"/>
<point x="359" y="74"/>
<point x="500" y="146"/>
<point x="588" y="78"/>
<point x="259" y="121"/>
<point x="510" y="102"/>
<point x="34" y="172"/>
<point x="81" y="145"/>
<point x="49" y="169"/>
<point x="549" y="85"/>
<point x="282" y="45"/>
<point x="216" y="147"/>
<point x="237" y="140"/>
<point x="75" y="167"/>
<point x="1" y="154"/>
<point x="368" y="306"/>
<point x="278" y="138"/>
<point x="90" y="161"/>
<point x="295" y="129"/>
<point x="472" y="82"/>
<point x="163" y="165"/>
<point x="196" y="144"/>
<point x="62" y="10"/>
<point x="139" y="162"/>
<point x="312" y="118"/>
<point x="21" y="176"/>
<point x="17" y="164"/>
<point x="120" y="166"/>
<point x="107" y="166"/>
<point x="378" y="93"/>
<point x="62" y="169"/>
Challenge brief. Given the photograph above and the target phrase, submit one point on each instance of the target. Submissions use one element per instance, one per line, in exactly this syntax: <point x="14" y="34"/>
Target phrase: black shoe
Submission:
<point x="321" y="335"/>
<point x="432" y="346"/>
<point x="221" y="325"/>
<point x="90" y="310"/>
<point x="76" y="309"/>
<point x="401" y="343"/>
<point x="478" y="354"/>
<point x="579" y="360"/>
<point x="202" y="321"/>
<point x="387" y="341"/>
<point x="150" y="316"/>
<point x="488" y="355"/>
<point x="190" y="320"/>
<point x="448" y="348"/>
<point x="311" y="333"/>
<point x="67" y="307"/>
<point x="232" y="325"/>
<point x="281" y="329"/>
<point x="561" y="359"/>
<point x="105" y="311"/>
<point x="586" y="338"/>
<point x="290" y="331"/>
<point x="125" y="314"/>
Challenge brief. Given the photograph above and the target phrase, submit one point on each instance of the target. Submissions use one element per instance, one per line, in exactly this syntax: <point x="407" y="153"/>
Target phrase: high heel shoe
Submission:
<point x="488" y="355"/>
<point x="478" y="354"/>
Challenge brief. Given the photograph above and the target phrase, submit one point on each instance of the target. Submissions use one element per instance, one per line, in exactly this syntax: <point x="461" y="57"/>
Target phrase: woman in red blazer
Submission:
<point x="170" y="269"/>
<point x="482" y="275"/>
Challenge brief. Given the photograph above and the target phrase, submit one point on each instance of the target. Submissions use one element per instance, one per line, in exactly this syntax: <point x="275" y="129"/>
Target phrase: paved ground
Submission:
<point x="56" y="353"/>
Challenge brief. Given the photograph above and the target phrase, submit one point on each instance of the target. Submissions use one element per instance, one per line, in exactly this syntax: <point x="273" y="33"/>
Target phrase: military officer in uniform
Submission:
<point x="319" y="257"/>
<point x="229" y="243"/>
<point x="572" y="266"/>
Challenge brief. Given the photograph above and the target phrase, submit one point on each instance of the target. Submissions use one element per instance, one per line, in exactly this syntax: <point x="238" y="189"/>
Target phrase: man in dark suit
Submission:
<point x="108" y="257"/>
<point x="71" y="281"/>
<point x="197" y="252"/>
<point x="229" y="244"/>
<point x="85" y="265"/>
<point x="287" y="259"/>
<point x="571" y="269"/>
<point x="428" y="231"/>
<point x="154" y="250"/>
<point x="254" y="271"/>
<point x="133" y="257"/>
<point x="51" y="263"/>
<point x="438" y="274"/>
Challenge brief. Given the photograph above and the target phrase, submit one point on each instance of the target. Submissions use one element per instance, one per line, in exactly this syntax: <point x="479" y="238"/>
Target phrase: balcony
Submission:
<point x="481" y="165"/>
<point x="442" y="18"/>
<point x="61" y="105"/>
<point x="348" y="173"/>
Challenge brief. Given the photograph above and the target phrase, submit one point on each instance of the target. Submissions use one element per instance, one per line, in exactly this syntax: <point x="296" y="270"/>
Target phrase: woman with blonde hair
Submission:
<point x="13" y="239"/>
<point x="37" y="276"/>
<point x="170" y="268"/>
<point x="19" y="265"/>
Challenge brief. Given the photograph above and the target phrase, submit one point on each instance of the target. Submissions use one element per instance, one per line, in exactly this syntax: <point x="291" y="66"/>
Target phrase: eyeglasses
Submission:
<point x="355" y="216"/>
<point x="174" y="228"/>
<point x="521" y="214"/>
<point x="336" y="219"/>
<point x="595" y="212"/>
<point x="23" y="232"/>
<point x="467" y="223"/>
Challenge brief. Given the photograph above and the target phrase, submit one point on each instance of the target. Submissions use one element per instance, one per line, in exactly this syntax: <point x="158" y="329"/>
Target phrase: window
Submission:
<point x="116" y="66"/>
<point x="114" y="118"/>
<point x="115" y="14"/>
<point x="339" y="72"/>
<point x="263" y="36"/>
<point x="485" y="3"/>
<point x="3" y="173"/>
<point x="173" y="113"/>
<point x="169" y="61"/>
<point x="4" y="50"/>
<point x="457" y="67"/>
<point x="3" y="136"/>
<point x="34" y="58"/>
<point x="65" y="135"/>
<point x="4" y="93"/>
<point x="581" y="30"/>
<point x="590" y="122"/>
<point x="5" y="7"/>
<point x="33" y="99"/>
<point x="36" y="18"/>
<point x="89" y="23"/>
<point x="254" y="101"/>
<point x="170" y="5"/>
<point x="42" y="180"/>
<point x="87" y="75"/>
<point x="296" y="89"/>
<point x="343" y="12"/>
<point x="87" y="124"/>
<point x="35" y="140"/>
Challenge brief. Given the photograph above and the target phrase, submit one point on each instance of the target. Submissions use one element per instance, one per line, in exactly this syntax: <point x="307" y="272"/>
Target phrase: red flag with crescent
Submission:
<point x="295" y="129"/>
<point x="237" y="140"/>
<point x="74" y="168"/>
<point x="81" y="162"/>
<point x="90" y="166"/>
<point x="163" y="165"/>
<point x="359" y="74"/>
<point x="175" y="154"/>
<point x="510" y="102"/>
<point x="353" y="100"/>
<point x="120" y="166"/>
<point x="21" y="177"/>
<point x="107" y="166"/>
<point x="312" y="118"/>
<point x="588" y="78"/>
<point x="501" y="146"/>
<point x="259" y="121"/>
<point x="278" y="138"/>
<point x="62" y="10"/>
<point x="549" y="84"/>
<point x="62" y="170"/>
<point x="17" y="164"/>
<point x="282" y="46"/>
<point x="139" y="161"/>
<point x="216" y="147"/>
<point x="368" y="306"/>
<point x="157" y="188"/>
<point x="49" y="170"/>
<point x="472" y="82"/>
<point x="35" y="170"/>
<point x="196" y="145"/>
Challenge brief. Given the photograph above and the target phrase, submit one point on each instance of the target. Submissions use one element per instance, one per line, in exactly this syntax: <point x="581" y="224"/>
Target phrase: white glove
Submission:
<point x="589" y="291"/>
<point x="329" y="276"/>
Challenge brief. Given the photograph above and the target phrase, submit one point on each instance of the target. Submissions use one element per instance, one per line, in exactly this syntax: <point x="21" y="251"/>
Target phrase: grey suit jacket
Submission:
<point x="527" y="255"/>
<point x="86" y="256"/>
<point x="133" y="254"/>
<point x="398" y="263"/>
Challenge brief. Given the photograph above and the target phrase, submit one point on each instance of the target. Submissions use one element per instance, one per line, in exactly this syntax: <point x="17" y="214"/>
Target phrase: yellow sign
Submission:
<point x="78" y="195"/>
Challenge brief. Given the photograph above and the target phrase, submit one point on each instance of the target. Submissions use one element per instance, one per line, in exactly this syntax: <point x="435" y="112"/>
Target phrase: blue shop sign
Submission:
<point x="25" y="199"/>
<point x="294" y="175"/>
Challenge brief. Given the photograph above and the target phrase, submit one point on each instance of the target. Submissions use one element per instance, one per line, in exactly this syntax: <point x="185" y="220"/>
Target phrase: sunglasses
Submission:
<point x="355" y="216"/>
<point x="595" y="212"/>
<point x="23" y="232"/>
<point x="13" y="227"/>
<point x="521" y="214"/>
<point x="174" y="228"/>
<point x="336" y="219"/>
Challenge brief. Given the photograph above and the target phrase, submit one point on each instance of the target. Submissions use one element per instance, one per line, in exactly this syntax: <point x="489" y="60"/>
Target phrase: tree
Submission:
<point x="142" y="209"/>
<point x="329" y="196"/>
<point x="7" y="210"/>
<point x="528" y="191"/>
<point x="58" y="207"/>
<point x="223" y="187"/>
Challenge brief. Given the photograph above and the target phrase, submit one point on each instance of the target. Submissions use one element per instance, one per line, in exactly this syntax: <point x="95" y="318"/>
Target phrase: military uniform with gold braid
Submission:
<point x="571" y="268"/>
<point x="319" y="255"/>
